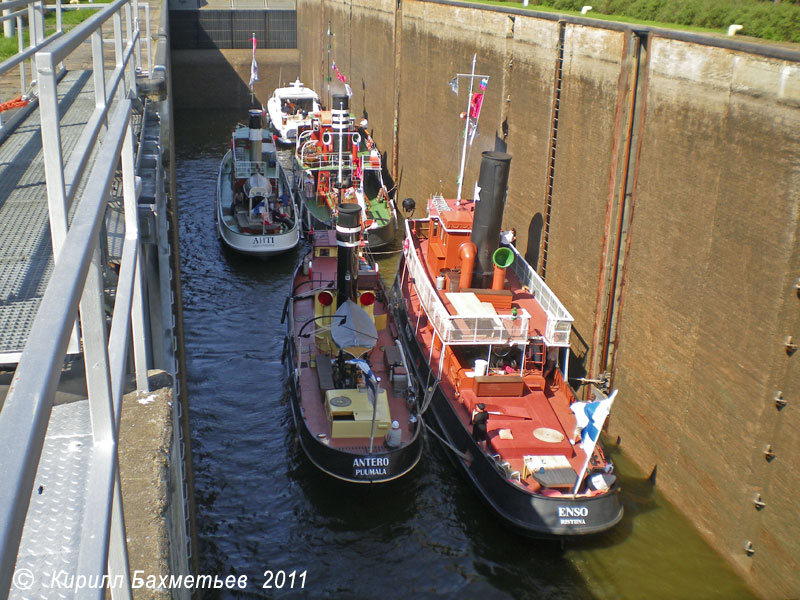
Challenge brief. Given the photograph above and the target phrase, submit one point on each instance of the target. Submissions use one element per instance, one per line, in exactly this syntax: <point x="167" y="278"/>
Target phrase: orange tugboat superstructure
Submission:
<point x="482" y="330"/>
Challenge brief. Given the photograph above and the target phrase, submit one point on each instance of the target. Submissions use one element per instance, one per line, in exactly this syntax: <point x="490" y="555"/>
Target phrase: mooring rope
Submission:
<point x="458" y="452"/>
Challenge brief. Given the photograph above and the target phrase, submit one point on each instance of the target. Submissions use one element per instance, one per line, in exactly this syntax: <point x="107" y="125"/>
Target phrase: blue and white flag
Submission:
<point x="590" y="417"/>
<point x="369" y="376"/>
<point x="259" y="208"/>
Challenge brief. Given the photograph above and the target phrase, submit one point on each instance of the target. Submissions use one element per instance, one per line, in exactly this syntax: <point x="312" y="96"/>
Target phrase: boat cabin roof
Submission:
<point x="295" y="89"/>
<point x="458" y="219"/>
<point x="526" y="307"/>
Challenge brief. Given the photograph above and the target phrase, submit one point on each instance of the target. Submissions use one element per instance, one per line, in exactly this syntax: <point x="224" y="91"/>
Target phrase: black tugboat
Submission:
<point x="353" y="402"/>
<point x="486" y="335"/>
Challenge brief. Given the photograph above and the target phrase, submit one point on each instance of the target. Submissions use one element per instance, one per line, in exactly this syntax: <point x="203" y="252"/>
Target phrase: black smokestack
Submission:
<point x="348" y="238"/>
<point x="255" y="136"/>
<point x="493" y="182"/>
<point x="340" y="112"/>
<point x="254" y="120"/>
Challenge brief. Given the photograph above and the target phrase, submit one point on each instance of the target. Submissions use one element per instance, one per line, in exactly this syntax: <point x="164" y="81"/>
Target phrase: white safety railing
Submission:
<point x="461" y="329"/>
<point x="559" y="321"/>
<point x="24" y="16"/>
<point x="246" y="168"/>
<point x="76" y="289"/>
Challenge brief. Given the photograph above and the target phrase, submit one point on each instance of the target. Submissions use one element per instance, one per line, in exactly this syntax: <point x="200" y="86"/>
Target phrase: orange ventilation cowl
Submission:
<point x="466" y="252"/>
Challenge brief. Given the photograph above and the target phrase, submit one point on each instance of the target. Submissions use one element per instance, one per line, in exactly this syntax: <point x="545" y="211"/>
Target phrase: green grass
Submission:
<point x="765" y="19"/>
<point x="69" y="19"/>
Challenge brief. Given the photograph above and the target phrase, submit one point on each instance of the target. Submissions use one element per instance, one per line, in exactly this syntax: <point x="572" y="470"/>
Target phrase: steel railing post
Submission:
<point x="99" y="75"/>
<point x="118" y="566"/>
<point x="138" y="323"/>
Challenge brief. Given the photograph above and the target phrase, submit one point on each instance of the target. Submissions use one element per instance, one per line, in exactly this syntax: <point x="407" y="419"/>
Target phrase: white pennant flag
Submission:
<point x="454" y="85"/>
<point x="253" y="66"/>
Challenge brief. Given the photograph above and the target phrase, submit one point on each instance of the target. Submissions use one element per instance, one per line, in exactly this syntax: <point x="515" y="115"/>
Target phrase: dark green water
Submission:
<point x="261" y="505"/>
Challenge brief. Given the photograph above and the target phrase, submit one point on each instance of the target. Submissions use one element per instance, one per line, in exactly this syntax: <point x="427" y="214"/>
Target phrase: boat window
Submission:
<point x="505" y="357"/>
<point x="293" y="105"/>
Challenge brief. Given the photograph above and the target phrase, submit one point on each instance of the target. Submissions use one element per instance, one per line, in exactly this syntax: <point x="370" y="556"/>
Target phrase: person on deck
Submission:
<point x="394" y="439"/>
<point x="509" y="237"/>
<point x="479" y="420"/>
<point x="279" y="215"/>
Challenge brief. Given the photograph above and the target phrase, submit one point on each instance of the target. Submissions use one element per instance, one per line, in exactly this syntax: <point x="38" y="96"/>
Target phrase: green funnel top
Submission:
<point x="503" y="257"/>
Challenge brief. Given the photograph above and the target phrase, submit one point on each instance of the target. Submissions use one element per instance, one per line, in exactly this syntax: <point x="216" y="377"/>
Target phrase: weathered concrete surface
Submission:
<point x="709" y="299"/>
<point x="587" y="153"/>
<point x="193" y="88"/>
<point x="710" y="255"/>
<point x="145" y="438"/>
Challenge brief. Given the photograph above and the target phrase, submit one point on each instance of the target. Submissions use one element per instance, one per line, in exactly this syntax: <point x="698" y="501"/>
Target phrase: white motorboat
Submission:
<point x="290" y="108"/>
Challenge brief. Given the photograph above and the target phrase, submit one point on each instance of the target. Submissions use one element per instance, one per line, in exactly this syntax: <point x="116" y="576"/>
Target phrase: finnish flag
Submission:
<point x="589" y="417"/>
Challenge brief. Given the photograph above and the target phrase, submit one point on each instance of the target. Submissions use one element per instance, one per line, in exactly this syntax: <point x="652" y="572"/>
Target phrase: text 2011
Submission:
<point x="281" y="579"/>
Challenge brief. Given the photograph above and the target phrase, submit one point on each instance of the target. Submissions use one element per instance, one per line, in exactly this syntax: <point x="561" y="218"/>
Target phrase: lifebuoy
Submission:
<point x="406" y="245"/>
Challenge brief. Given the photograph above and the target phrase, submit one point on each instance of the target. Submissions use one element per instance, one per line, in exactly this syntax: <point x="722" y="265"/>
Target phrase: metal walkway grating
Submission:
<point x="26" y="260"/>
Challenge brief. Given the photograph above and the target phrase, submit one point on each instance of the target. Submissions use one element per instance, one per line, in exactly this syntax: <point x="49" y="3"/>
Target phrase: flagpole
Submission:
<point x="341" y="133"/>
<point x="328" y="75"/>
<point x="591" y="450"/>
<point x="466" y="132"/>
<point x="372" y="395"/>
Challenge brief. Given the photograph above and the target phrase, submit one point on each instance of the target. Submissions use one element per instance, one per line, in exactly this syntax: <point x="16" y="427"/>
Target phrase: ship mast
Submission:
<point x="472" y="77"/>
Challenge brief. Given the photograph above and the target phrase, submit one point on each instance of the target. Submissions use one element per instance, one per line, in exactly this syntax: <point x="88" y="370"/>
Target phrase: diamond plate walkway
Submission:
<point x="26" y="255"/>
<point x="51" y="539"/>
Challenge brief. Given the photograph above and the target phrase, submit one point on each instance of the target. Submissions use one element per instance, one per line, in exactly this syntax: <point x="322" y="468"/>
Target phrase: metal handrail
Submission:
<point x="33" y="12"/>
<point x="559" y="320"/>
<point x="461" y="329"/>
<point x="75" y="290"/>
<point x="61" y="181"/>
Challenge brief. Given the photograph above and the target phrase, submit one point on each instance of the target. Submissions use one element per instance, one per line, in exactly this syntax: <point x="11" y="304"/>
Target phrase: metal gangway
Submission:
<point x="71" y="275"/>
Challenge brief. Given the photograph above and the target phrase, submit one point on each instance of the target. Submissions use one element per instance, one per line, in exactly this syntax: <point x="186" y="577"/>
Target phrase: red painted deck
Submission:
<point x="308" y="355"/>
<point x="537" y="405"/>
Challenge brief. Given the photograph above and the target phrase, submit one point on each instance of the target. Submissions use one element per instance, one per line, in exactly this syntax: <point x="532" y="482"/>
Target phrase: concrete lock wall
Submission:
<point x="710" y="299"/>
<point x="670" y="233"/>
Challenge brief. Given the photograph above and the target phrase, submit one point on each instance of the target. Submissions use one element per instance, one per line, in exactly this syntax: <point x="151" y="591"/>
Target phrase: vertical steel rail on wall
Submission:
<point x="77" y="283"/>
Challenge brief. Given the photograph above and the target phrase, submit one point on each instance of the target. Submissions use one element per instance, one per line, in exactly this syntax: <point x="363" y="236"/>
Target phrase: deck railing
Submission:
<point x="246" y="168"/>
<point x="461" y="329"/>
<point x="76" y="289"/>
<point x="559" y="321"/>
<point x="24" y="15"/>
<point x="325" y="161"/>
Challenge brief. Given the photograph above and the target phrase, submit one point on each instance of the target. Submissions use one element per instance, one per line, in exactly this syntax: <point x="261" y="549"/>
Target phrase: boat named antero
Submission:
<point x="353" y="403"/>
